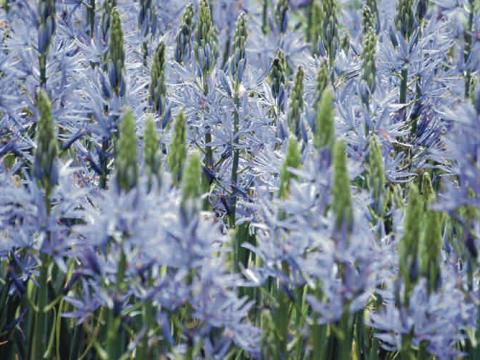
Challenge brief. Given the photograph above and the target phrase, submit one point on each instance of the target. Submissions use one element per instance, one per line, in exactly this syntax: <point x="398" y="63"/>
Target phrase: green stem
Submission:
<point x="236" y="158"/>
<point x="265" y="16"/>
<point x="403" y="86"/>
<point x="281" y="320"/>
<point x="114" y="348"/>
<point x="345" y="343"/>
<point x="91" y="17"/>
<point x="40" y="330"/>
<point x="42" y="64"/>
<point x="208" y="134"/>
<point x="104" y="164"/>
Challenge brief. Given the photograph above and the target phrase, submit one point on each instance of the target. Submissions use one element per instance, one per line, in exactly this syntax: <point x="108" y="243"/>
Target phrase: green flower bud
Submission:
<point x="239" y="42"/>
<point x="296" y="105"/>
<point x="426" y="188"/>
<point x="45" y="168"/>
<point x="324" y="135"/>
<point x="329" y="33"/>
<point x="46" y="25"/>
<point x="178" y="149"/>
<point x="106" y="20"/>
<point x="151" y="150"/>
<point x="376" y="176"/>
<point x="281" y="16"/>
<point x="191" y="181"/>
<point x="408" y="245"/>
<point x="372" y="4"/>
<point x="46" y="30"/>
<point x="314" y="29"/>
<point x="116" y="54"/>
<point x="368" y="19"/>
<point x="368" y="59"/>
<point x="341" y="193"/>
<point x="293" y="160"/>
<point x="126" y="157"/>
<point x="264" y="16"/>
<point x="278" y="73"/>
<point x="370" y="16"/>
<point x="431" y="241"/>
<point x="405" y="18"/>
<point x="184" y="35"/>
<point x="322" y="82"/>
<point x="206" y="51"/>
<point x="158" y="89"/>
<point x="430" y="249"/>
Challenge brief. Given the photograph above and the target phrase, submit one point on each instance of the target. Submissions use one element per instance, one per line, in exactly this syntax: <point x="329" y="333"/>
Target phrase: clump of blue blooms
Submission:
<point x="239" y="179"/>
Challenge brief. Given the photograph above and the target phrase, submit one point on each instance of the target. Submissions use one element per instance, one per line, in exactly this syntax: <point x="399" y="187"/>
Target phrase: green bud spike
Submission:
<point x="184" y="35"/>
<point x="46" y="30"/>
<point x="314" y="29"/>
<point x="239" y="43"/>
<point x="322" y="82"/>
<point x="341" y="193"/>
<point x="106" y="20"/>
<point x="309" y="17"/>
<point x="426" y="188"/>
<point x="405" y="18"/>
<point x="126" y="159"/>
<point x="116" y="54"/>
<point x="368" y="59"/>
<point x="178" y="149"/>
<point x="45" y="159"/>
<point x="324" y="135"/>
<point x="369" y="16"/>
<point x="408" y="245"/>
<point x="430" y="249"/>
<point x="191" y="181"/>
<point x="372" y="4"/>
<point x="368" y="20"/>
<point x="264" y="16"/>
<point x="158" y="89"/>
<point x="151" y="150"/>
<point x="296" y="104"/>
<point x="376" y="176"/>
<point x="431" y="241"/>
<point x="293" y="160"/>
<point x="281" y="15"/>
<point x="278" y="73"/>
<point x="206" y="51"/>
<point x="329" y="33"/>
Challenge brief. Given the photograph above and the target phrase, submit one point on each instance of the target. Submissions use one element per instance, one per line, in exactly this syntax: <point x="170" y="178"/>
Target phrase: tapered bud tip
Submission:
<point x="178" y="148"/>
<point x="191" y="182"/>
<point x="341" y="193"/>
<point x="293" y="160"/>
<point x="324" y="135"/>
<point x="126" y="160"/>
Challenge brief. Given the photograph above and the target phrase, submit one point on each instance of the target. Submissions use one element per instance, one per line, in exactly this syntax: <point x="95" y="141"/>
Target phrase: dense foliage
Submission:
<point x="239" y="179"/>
